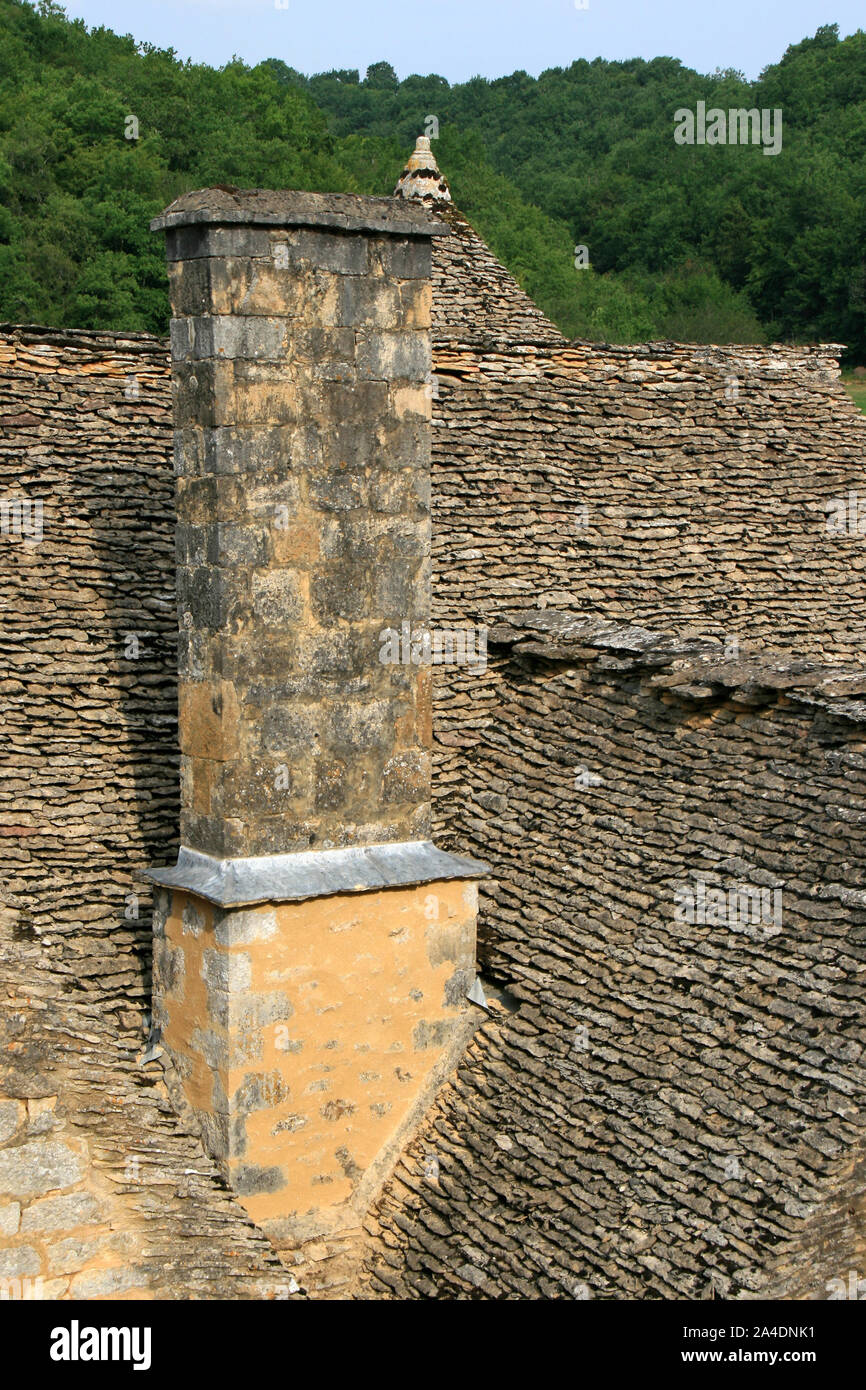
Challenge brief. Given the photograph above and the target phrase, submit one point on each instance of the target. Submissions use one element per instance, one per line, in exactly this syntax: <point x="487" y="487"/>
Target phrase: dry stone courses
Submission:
<point x="625" y="482"/>
<point x="656" y="1107"/>
<point x="664" y="1107"/>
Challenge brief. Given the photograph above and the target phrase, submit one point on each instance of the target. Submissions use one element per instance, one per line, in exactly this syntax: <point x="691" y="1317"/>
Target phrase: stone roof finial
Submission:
<point x="421" y="177"/>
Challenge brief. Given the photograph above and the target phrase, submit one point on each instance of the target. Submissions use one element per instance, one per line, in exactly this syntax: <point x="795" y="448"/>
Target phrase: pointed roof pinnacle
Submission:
<point x="421" y="178"/>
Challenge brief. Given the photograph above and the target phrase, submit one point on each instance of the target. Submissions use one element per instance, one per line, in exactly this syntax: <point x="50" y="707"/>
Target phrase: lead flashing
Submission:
<point x="313" y="873"/>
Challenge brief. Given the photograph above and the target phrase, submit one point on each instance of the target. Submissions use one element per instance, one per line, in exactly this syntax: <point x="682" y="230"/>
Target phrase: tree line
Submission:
<point x="617" y="229"/>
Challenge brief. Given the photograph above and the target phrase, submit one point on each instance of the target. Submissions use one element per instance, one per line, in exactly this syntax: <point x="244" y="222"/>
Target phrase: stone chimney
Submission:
<point x="313" y="949"/>
<point x="422" y="180"/>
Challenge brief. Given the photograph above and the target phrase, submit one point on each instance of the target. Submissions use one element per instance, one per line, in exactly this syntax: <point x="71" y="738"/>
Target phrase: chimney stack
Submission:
<point x="313" y="949"/>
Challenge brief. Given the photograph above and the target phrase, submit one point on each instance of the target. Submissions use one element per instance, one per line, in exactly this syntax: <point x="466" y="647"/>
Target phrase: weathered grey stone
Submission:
<point x="10" y="1217"/>
<point x="245" y="927"/>
<point x="249" y="1180"/>
<point x="258" y="1010"/>
<point x="352" y="727"/>
<point x="333" y="784"/>
<point x="431" y="1034"/>
<point x="70" y="1255"/>
<point x="215" y="1133"/>
<point x="169" y="967"/>
<point x="457" y="986"/>
<point x="365" y="301"/>
<point x="12" y="1117"/>
<point x="219" y="1007"/>
<point x="104" y="1282"/>
<point x="231" y="544"/>
<point x="395" y="594"/>
<point x="192" y="919"/>
<point x="39" y="1166"/>
<point x="213" y="1046"/>
<point x="277" y="598"/>
<point x="363" y="404"/>
<point x="42" y="1116"/>
<point x="287" y="729"/>
<point x="259" y="1091"/>
<point x="161" y="903"/>
<point x="338" y="492"/>
<point x="246" y="1045"/>
<point x="406" y="777"/>
<point x="287" y="208"/>
<point x="389" y="355"/>
<point x="225" y="972"/>
<point x="235" y="449"/>
<point x="186" y="243"/>
<point x="210" y="596"/>
<point x="228" y="335"/>
<point x="62" y="1213"/>
<point x="346" y="253"/>
<point x="18" y="1260"/>
<point x="408" y="259"/>
<point x="340" y="593"/>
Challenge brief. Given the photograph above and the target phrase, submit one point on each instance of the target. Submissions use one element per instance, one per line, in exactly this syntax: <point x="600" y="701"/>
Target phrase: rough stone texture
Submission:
<point x="88" y="789"/>
<point x="117" y="1198"/>
<point x="695" y="489"/>
<point x="674" y="1107"/>
<point x="623" y="480"/>
<point x="302" y="446"/>
<point x="88" y="798"/>
<point x="219" y="207"/>
<point x="476" y="302"/>
<point x="303" y="454"/>
<point x="527" y="430"/>
<point x="294" y="733"/>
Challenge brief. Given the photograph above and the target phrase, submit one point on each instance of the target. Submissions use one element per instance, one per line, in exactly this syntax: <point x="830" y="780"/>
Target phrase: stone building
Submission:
<point x="654" y="1088"/>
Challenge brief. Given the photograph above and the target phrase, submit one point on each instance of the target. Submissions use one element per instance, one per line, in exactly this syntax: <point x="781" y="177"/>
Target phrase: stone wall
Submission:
<point x="675" y="1106"/>
<point x="104" y="1192"/>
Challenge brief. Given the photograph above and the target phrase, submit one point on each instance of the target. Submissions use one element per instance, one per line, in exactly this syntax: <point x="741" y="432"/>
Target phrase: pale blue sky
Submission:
<point x="459" y="38"/>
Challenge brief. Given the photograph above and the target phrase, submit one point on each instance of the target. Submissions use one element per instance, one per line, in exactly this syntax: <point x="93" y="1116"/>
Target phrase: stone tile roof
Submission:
<point x="88" y="797"/>
<point x="529" y="431"/>
<point x="656" y="1108"/>
<point x="476" y="302"/>
<point x="679" y="487"/>
<point x="89" y="644"/>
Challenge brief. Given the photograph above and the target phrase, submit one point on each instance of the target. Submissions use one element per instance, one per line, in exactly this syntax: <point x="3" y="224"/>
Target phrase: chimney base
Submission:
<point x="310" y="1036"/>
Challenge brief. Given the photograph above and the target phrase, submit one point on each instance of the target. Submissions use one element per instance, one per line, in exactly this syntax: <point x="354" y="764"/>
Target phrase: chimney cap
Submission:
<point x="422" y="179"/>
<point x="348" y="212"/>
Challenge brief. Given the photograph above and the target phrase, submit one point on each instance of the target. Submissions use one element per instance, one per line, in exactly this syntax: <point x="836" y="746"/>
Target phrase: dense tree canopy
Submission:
<point x="699" y="242"/>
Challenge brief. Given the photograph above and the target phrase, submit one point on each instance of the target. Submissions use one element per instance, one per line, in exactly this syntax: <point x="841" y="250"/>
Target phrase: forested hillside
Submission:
<point x="704" y="243"/>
